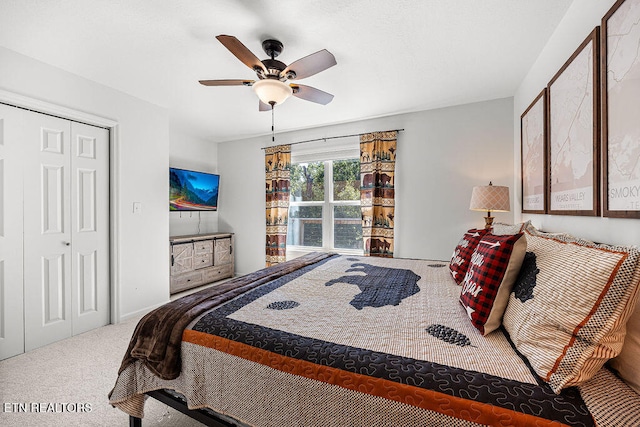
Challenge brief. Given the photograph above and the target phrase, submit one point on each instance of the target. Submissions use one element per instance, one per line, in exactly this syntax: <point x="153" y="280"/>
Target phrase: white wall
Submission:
<point x="188" y="152"/>
<point x="142" y="161"/>
<point x="581" y="18"/>
<point x="441" y="155"/>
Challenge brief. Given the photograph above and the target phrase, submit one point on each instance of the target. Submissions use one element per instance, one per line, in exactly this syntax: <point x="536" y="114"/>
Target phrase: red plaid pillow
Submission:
<point x="462" y="253"/>
<point x="492" y="272"/>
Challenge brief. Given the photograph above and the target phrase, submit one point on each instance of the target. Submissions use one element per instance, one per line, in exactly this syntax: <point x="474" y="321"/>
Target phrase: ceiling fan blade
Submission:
<point x="312" y="94"/>
<point x="226" y="82"/>
<point x="241" y="52"/>
<point x="310" y="65"/>
<point x="263" y="106"/>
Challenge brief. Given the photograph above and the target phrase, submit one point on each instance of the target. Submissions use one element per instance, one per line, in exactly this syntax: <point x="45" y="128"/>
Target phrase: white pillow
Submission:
<point x="627" y="364"/>
<point x="568" y="316"/>
<point x="502" y="229"/>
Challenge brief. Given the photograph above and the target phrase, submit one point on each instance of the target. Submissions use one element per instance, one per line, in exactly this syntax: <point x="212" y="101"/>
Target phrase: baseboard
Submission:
<point x="140" y="313"/>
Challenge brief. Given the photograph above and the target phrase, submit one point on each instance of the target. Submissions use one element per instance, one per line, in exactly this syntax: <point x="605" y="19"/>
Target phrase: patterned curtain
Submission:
<point x="377" y="166"/>
<point x="277" y="165"/>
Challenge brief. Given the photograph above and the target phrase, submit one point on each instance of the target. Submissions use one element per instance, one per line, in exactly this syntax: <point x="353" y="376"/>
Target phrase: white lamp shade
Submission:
<point x="271" y="90"/>
<point x="490" y="198"/>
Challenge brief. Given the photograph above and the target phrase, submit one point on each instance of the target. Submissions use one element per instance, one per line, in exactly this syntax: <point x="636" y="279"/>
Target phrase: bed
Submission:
<point x="335" y="340"/>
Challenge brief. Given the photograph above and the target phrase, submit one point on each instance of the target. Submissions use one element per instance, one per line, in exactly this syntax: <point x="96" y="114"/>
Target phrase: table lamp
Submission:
<point x="490" y="198"/>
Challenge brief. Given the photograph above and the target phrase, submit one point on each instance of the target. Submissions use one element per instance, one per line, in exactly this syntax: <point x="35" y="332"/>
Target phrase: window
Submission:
<point x="324" y="209"/>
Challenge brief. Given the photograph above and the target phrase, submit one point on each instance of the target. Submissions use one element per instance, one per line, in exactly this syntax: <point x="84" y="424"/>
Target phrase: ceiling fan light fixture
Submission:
<point x="272" y="91"/>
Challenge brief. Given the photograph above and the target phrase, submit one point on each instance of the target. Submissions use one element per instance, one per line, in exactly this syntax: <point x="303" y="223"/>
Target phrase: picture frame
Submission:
<point x="573" y="133"/>
<point x="620" y="86"/>
<point x="533" y="156"/>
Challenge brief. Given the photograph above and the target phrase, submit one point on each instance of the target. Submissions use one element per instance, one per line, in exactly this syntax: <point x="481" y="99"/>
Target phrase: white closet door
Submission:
<point x="47" y="230"/>
<point x="90" y="227"/>
<point x="11" y="292"/>
<point x="54" y="229"/>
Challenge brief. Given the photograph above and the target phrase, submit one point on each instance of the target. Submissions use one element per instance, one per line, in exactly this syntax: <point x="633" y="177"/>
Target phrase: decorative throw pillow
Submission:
<point x="627" y="364"/>
<point x="569" y="317"/>
<point x="487" y="285"/>
<point x="501" y="229"/>
<point x="462" y="253"/>
<point x="529" y="228"/>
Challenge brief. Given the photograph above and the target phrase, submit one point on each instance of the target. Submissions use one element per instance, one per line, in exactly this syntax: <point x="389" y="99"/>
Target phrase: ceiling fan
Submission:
<point x="271" y="86"/>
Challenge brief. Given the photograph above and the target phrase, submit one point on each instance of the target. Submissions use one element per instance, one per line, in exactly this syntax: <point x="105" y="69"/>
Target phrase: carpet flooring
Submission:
<point x="67" y="383"/>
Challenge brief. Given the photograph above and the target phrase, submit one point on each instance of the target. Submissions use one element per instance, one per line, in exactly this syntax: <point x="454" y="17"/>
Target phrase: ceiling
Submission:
<point x="393" y="56"/>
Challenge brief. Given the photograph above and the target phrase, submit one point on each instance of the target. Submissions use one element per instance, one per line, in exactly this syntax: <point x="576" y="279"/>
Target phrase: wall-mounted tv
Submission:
<point x="193" y="191"/>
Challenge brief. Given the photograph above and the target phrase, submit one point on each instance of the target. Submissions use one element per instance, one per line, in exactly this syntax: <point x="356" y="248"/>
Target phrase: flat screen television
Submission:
<point x="193" y="191"/>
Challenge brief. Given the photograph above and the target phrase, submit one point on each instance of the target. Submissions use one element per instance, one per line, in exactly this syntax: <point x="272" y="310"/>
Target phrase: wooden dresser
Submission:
<point x="198" y="259"/>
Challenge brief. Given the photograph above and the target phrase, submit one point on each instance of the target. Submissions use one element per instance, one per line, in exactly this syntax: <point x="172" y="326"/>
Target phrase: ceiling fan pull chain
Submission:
<point x="273" y="132"/>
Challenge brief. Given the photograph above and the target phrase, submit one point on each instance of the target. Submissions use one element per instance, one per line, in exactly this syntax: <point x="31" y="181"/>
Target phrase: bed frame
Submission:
<point x="179" y="402"/>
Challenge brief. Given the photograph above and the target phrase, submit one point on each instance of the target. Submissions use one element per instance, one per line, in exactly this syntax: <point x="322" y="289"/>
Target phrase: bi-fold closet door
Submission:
<point x="54" y="231"/>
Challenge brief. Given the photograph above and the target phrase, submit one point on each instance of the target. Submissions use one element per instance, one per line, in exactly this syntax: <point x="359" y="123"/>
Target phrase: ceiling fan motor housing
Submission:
<point x="274" y="68"/>
<point x="273" y="48"/>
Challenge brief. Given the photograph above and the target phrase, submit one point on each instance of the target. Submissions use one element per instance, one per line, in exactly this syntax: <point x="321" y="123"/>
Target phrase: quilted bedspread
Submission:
<point x="358" y="341"/>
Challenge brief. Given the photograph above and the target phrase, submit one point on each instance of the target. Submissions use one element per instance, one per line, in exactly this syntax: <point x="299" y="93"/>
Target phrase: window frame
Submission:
<point x="344" y="152"/>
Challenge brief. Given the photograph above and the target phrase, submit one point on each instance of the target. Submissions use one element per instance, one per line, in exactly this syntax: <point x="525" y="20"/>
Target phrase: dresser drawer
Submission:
<point x="203" y="247"/>
<point x="186" y="281"/>
<point x="217" y="273"/>
<point x="202" y="261"/>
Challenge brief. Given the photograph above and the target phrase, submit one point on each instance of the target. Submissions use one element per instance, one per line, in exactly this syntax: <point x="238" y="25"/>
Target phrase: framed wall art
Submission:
<point x="621" y="109"/>
<point x="573" y="104"/>
<point x="533" y="150"/>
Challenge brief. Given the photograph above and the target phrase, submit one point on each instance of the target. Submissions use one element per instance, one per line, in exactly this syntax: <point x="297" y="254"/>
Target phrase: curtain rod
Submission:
<point x="332" y="137"/>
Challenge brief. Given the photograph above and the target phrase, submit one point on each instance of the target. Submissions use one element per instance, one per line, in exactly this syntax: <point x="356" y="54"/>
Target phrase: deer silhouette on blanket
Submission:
<point x="379" y="286"/>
